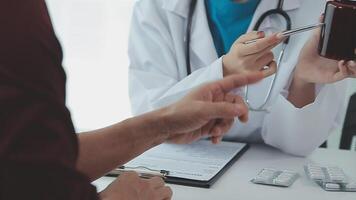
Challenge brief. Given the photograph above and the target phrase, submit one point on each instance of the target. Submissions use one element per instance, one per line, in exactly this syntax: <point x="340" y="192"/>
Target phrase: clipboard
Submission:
<point x="181" y="180"/>
<point x="207" y="184"/>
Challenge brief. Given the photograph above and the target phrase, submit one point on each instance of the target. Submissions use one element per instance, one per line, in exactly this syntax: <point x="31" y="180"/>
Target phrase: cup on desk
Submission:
<point x="338" y="35"/>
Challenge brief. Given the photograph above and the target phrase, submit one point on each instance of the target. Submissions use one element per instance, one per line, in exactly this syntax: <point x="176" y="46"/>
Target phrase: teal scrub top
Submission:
<point x="228" y="20"/>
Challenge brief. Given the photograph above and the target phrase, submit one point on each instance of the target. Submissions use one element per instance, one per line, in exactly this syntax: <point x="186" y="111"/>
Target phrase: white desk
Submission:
<point x="235" y="183"/>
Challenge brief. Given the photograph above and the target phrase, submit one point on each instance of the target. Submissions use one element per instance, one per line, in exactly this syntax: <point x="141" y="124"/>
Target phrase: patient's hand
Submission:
<point x="129" y="186"/>
<point x="208" y="110"/>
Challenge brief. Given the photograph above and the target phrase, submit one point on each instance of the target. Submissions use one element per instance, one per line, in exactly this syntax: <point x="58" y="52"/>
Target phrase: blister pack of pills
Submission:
<point x="273" y="177"/>
<point x="330" y="178"/>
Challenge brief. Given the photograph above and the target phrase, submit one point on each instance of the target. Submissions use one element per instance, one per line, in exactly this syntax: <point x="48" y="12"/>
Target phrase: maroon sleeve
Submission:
<point x="38" y="146"/>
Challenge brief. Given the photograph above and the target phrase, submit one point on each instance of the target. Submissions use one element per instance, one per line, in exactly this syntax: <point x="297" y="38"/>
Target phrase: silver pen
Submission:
<point x="293" y="32"/>
<point x="143" y="172"/>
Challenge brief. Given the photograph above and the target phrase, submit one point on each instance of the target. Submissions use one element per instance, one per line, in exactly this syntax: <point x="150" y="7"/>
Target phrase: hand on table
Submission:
<point x="129" y="186"/>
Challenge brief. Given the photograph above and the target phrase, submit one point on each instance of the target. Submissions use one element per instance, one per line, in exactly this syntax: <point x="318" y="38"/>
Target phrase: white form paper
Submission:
<point x="198" y="161"/>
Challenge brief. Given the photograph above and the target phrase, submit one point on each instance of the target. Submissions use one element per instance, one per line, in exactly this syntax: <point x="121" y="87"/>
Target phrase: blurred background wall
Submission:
<point x="94" y="35"/>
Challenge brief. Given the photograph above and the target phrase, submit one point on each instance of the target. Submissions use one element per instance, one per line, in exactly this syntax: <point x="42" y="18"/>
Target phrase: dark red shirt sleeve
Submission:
<point x="38" y="145"/>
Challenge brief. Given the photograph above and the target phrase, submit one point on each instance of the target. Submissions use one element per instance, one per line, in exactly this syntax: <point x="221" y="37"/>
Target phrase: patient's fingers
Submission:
<point x="208" y="127"/>
<point x="239" y="100"/>
<point x="351" y="65"/>
<point x="235" y="81"/>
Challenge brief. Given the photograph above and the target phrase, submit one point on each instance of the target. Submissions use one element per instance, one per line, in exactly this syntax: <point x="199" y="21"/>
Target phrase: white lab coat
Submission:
<point x="158" y="76"/>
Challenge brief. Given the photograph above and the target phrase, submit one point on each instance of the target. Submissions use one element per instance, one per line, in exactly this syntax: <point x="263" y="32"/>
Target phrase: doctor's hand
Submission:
<point x="129" y="186"/>
<point x="312" y="68"/>
<point x="251" y="57"/>
<point x="208" y="110"/>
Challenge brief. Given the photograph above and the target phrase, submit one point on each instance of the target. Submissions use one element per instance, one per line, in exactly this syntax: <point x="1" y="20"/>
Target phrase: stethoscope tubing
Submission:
<point x="263" y="106"/>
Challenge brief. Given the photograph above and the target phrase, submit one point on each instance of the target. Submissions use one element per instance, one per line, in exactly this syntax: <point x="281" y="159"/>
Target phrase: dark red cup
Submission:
<point x="338" y="35"/>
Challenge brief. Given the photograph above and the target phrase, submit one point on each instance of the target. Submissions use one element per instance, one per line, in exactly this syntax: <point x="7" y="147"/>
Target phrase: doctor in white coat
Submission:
<point x="306" y="104"/>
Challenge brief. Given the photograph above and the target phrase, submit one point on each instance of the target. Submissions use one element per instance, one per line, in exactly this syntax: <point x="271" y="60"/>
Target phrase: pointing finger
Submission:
<point x="223" y="110"/>
<point x="234" y="81"/>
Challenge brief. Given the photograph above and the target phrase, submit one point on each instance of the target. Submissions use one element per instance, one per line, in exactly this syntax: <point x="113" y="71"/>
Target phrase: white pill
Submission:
<point x="334" y="171"/>
<point x="314" y="171"/>
<point x="265" y="176"/>
<point x="285" y="175"/>
<point x="314" y="167"/>
<point x="284" y="178"/>
<point x="288" y="172"/>
<point x="317" y="176"/>
<point x="280" y="182"/>
<point x="266" y="172"/>
<point x="337" y="178"/>
<point x="333" y="168"/>
<point x="259" y="179"/>
<point x="332" y="186"/>
<point x="269" y="170"/>
<point x="351" y="186"/>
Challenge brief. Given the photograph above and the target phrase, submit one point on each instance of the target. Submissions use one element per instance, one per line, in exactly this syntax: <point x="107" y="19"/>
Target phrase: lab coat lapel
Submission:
<point x="202" y="44"/>
<point x="179" y="7"/>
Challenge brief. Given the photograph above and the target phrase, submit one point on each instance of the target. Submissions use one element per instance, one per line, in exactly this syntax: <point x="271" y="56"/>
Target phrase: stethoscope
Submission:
<point x="277" y="11"/>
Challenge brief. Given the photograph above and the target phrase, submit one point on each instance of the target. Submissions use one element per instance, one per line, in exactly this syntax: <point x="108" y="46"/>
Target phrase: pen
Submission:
<point x="293" y="32"/>
<point x="143" y="172"/>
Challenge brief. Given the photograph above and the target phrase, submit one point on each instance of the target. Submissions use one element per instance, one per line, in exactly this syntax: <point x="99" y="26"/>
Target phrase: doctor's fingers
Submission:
<point x="257" y="63"/>
<point x="260" y="45"/>
<point x="269" y="66"/>
<point x="342" y="72"/>
<point x="271" y="69"/>
<point x="262" y="53"/>
<point x="351" y="65"/>
<point x="235" y="81"/>
<point x="250" y="36"/>
<point x="317" y="32"/>
<point x="265" y="59"/>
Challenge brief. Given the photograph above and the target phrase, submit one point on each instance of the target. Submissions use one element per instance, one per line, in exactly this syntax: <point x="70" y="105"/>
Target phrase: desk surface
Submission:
<point x="235" y="183"/>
